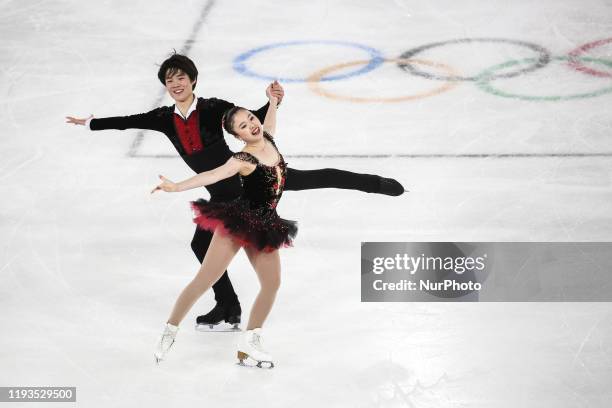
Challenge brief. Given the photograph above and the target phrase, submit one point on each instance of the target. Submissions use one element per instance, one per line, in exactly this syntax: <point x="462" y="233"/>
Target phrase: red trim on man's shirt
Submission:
<point x="188" y="132"/>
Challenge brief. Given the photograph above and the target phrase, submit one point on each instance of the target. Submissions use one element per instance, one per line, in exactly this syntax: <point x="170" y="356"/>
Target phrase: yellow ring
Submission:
<point x="314" y="81"/>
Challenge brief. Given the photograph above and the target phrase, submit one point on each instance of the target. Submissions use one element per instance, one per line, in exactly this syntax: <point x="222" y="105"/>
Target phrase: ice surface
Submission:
<point x="90" y="263"/>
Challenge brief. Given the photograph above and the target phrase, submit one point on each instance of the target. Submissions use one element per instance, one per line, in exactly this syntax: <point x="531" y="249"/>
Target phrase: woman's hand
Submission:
<point x="77" y="121"/>
<point x="275" y="92"/>
<point x="167" y="185"/>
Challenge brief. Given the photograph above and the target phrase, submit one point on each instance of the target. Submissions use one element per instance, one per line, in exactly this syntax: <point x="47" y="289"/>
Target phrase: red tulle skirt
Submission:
<point x="260" y="228"/>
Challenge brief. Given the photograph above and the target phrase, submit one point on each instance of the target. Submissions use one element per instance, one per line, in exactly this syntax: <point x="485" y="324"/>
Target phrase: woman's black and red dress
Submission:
<point x="251" y="219"/>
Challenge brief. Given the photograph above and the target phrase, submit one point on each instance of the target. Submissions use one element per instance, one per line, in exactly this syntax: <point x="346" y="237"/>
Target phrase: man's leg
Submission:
<point x="228" y="306"/>
<point x="334" y="178"/>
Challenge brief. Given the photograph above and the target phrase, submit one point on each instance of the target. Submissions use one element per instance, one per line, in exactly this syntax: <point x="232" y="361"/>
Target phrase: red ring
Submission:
<point x="575" y="63"/>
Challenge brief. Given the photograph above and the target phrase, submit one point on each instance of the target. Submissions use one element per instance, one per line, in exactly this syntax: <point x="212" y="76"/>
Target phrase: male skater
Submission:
<point x="194" y="127"/>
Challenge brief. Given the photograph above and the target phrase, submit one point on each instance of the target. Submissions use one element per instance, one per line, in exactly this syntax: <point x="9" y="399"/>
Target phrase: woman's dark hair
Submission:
<point x="228" y="119"/>
<point x="175" y="63"/>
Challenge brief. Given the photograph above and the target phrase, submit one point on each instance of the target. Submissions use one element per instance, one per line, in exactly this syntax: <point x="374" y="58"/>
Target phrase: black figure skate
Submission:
<point x="221" y="318"/>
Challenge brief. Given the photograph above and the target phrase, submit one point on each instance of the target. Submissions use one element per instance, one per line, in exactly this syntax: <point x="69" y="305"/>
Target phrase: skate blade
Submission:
<point x="219" y="327"/>
<point x="245" y="360"/>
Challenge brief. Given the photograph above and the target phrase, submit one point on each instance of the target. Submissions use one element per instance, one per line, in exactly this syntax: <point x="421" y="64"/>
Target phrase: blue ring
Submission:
<point x="240" y="61"/>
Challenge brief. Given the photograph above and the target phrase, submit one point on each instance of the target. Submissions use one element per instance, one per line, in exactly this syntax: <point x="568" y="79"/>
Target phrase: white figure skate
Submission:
<point x="251" y="347"/>
<point x="165" y="342"/>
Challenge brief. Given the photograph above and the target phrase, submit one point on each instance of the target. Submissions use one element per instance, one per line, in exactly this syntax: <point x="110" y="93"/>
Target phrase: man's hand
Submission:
<point x="77" y="121"/>
<point x="272" y="96"/>
<point x="276" y="90"/>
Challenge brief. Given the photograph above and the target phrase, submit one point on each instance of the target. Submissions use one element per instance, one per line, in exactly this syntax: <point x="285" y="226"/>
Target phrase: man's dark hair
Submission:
<point x="175" y="63"/>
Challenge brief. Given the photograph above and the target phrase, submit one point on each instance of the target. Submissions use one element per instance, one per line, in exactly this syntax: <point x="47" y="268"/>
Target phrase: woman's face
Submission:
<point x="247" y="126"/>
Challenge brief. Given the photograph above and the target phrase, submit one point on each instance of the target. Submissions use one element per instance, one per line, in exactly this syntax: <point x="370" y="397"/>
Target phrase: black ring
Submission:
<point x="543" y="60"/>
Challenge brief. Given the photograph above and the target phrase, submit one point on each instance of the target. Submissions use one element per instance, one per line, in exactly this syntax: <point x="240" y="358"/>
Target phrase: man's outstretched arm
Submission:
<point x="298" y="180"/>
<point x="151" y="120"/>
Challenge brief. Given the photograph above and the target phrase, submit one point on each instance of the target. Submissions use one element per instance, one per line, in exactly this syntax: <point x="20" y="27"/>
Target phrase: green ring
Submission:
<point x="484" y="81"/>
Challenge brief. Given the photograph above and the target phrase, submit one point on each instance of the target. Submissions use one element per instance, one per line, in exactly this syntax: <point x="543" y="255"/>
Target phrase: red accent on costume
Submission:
<point x="242" y="238"/>
<point x="189" y="132"/>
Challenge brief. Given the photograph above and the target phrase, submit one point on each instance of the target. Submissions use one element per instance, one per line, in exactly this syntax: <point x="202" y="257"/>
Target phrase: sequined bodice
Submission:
<point x="263" y="188"/>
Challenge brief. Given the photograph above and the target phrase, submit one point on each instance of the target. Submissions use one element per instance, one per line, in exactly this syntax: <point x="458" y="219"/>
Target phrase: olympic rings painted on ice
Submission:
<point x="484" y="82"/>
<point x="407" y="63"/>
<point x="542" y="60"/>
<point x="376" y="59"/>
<point x="314" y="81"/>
<point x="577" y="65"/>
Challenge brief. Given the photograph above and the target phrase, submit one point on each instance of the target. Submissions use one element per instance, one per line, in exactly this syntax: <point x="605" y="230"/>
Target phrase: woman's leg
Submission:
<point x="268" y="269"/>
<point x="220" y="253"/>
<point x="224" y="291"/>
<point x="334" y="178"/>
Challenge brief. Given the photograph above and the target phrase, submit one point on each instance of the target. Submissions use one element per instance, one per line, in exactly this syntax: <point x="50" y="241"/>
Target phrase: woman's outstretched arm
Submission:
<point x="231" y="167"/>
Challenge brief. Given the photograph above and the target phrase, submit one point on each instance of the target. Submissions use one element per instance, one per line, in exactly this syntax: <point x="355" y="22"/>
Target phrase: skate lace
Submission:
<point x="256" y="341"/>
<point x="167" y="335"/>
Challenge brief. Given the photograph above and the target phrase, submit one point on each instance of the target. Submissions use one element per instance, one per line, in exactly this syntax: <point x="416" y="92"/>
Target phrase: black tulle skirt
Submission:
<point x="260" y="228"/>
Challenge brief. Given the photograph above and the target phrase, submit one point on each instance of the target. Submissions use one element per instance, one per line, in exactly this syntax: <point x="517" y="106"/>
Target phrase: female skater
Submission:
<point x="250" y="221"/>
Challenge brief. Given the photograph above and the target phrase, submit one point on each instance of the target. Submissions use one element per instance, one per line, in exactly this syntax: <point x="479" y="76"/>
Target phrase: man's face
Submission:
<point x="179" y="86"/>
